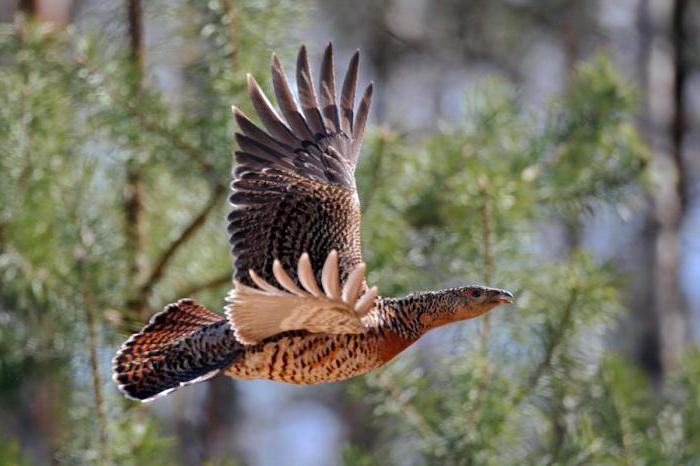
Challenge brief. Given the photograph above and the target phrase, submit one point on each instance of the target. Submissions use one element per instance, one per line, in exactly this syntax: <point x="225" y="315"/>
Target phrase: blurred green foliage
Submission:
<point x="10" y="454"/>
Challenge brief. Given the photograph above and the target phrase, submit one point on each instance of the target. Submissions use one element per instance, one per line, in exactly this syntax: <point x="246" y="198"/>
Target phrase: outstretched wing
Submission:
<point x="294" y="186"/>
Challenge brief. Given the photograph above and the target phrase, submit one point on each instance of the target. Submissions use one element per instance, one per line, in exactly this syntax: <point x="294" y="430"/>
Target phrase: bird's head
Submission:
<point x="464" y="303"/>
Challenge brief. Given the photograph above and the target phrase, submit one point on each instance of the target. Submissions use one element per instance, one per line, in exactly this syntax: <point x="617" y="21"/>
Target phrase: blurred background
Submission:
<point x="549" y="147"/>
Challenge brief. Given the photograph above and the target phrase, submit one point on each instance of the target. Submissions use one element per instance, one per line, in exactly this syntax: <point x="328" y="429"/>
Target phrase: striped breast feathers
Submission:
<point x="262" y="311"/>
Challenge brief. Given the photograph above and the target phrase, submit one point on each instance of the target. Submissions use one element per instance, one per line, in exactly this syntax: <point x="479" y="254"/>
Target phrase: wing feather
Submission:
<point x="268" y="115"/>
<point x="347" y="98"/>
<point x="326" y="86"/>
<point x="307" y="95"/>
<point x="358" y="130"/>
<point x="305" y="273"/>
<point x="286" y="102"/>
<point x="294" y="187"/>
<point x="329" y="275"/>
<point x="261" y="311"/>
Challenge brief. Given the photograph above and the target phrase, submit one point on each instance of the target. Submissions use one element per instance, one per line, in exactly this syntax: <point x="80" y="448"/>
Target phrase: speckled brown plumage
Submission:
<point x="294" y="202"/>
<point x="185" y="343"/>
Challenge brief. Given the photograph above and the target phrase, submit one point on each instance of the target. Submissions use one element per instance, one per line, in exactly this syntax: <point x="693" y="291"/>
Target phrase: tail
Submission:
<point x="184" y="344"/>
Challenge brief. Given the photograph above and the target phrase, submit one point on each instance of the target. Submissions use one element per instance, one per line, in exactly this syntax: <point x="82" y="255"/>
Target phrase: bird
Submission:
<point x="300" y="310"/>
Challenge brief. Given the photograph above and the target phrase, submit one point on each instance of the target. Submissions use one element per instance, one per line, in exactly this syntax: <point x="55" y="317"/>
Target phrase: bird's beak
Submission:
<point x="504" y="297"/>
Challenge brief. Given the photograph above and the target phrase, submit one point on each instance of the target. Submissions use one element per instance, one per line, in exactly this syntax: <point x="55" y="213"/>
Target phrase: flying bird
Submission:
<point x="300" y="310"/>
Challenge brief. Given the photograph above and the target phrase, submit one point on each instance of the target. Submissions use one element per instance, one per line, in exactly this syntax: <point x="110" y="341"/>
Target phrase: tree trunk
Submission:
<point x="665" y="83"/>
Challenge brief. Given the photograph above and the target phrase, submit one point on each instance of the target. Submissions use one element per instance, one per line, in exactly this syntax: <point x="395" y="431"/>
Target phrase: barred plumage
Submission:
<point x="295" y="222"/>
<point x="183" y="344"/>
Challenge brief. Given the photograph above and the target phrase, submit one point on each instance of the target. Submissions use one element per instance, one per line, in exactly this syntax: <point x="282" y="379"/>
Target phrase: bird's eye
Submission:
<point x="476" y="293"/>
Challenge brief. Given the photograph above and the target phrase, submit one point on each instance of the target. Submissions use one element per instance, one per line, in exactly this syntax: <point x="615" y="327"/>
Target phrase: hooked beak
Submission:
<point x="503" y="297"/>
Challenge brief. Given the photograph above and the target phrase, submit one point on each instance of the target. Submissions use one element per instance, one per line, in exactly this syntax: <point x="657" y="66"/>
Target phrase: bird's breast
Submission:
<point x="305" y="358"/>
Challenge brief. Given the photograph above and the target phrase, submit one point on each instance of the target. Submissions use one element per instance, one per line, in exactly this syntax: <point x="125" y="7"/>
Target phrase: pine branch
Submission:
<point x="488" y="271"/>
<point x="375" y="174"/>
<point x="487" y="257"/>
<point x="164" y="132"/>
<point x="195" y="224"/>
<point x="136" y="112"/>
<point x="558" y="429"/>
<point x="554" y="343"/>
<point x="133" y="210"/>
<point x="624" y="424"/>
<point x="215" y="282"/>
<point x="136" y="43"/>
<point x="133" y="202"/>
<point x="409" y="410"/>
<point x="679" y="121"/>
<point x="88" y="306"/>
<point x="230" y="12"/>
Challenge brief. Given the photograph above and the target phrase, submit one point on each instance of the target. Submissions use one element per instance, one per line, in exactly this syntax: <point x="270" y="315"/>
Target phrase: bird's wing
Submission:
<point x="262" y="311"/>
<point x="294" y="186"/>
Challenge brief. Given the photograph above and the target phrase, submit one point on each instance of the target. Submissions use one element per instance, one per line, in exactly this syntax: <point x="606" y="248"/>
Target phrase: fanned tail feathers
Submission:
<point x="184" y="344"/>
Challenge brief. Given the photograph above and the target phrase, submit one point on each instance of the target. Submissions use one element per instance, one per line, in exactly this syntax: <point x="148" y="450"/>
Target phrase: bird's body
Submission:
<point x="301" y="357"/>
<point x="295" y="222"/>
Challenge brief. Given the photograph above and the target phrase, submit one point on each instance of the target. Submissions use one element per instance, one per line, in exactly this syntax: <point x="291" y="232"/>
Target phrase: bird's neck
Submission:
<point x="406" y="317"/>
<point x="402" y="321"/>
